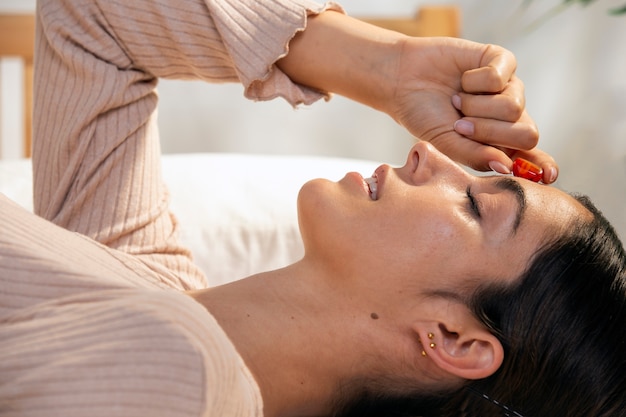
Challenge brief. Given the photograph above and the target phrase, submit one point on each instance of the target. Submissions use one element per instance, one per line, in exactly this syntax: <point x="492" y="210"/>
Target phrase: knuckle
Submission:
<point x="495" y="80"/>
<point x="513" y="109"/>
<point x="530" y="137"/>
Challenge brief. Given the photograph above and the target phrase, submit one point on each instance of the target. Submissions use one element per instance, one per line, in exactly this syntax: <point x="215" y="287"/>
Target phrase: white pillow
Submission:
<point x="237" y="212"/>
<point x="16" y="181"/>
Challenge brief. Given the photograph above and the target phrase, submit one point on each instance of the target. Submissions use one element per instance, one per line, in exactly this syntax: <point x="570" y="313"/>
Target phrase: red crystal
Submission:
<point x="526" y="169"/>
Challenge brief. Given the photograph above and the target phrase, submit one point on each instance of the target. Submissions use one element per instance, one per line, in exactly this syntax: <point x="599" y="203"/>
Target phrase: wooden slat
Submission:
<point x="17" y="39"/>
<point x="17" y="35"/>
<point x="429" y="21"/>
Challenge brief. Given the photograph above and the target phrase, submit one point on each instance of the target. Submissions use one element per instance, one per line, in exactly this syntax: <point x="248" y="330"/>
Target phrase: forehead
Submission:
<point x="550" y="208"/>
<point x="548" y="213"/>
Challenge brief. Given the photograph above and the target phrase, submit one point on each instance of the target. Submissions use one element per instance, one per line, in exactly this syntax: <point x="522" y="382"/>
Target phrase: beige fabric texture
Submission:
<point x="92" y="317"/>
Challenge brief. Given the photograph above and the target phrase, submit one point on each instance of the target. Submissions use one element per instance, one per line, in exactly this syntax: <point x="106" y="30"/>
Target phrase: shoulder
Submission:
<point x="148" y="352"/>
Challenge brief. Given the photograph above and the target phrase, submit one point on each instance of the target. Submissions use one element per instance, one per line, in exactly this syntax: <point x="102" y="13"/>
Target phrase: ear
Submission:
<point x="460" y="345"/>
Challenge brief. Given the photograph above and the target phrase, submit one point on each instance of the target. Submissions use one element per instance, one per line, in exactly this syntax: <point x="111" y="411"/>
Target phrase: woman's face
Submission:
<point x="431" y="225"/>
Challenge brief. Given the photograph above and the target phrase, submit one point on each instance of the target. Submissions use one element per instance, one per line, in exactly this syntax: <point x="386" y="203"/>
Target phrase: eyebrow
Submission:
<point x="509" y="184"/>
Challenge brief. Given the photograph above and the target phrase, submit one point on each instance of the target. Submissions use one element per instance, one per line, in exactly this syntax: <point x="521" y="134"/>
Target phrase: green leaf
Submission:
<point x="619" y="10"/>
<point x="615" y="12"/>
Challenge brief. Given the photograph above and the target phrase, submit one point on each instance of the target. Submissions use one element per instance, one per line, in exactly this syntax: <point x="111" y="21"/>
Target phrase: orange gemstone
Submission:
<point x="526" y="169"/>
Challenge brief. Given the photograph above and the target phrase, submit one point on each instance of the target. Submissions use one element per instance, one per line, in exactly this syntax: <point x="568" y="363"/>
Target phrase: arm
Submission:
<point x="462" y="96"/>
<point x="96" y="155"/>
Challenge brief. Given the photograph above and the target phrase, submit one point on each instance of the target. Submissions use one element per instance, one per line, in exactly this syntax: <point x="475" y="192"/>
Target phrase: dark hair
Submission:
<point x="563" y="328"/>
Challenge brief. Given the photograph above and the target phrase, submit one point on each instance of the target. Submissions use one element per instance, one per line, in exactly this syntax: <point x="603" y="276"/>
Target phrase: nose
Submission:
<point x="425" y="163"/>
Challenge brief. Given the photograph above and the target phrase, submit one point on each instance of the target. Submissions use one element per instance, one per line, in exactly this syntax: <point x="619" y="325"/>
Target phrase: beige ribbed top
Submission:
<point x="92" y="320"/>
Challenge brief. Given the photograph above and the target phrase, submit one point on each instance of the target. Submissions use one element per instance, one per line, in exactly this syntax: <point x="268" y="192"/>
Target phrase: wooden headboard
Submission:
<point x="428" y="21"/>
<point x="17" y="39"/>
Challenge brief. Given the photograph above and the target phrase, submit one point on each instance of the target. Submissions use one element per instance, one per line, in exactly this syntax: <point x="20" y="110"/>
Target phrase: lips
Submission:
<point x="372" y="183"/>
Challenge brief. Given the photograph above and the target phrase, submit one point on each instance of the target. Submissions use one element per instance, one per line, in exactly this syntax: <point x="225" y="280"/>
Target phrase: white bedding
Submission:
<point x="237" y="212"/>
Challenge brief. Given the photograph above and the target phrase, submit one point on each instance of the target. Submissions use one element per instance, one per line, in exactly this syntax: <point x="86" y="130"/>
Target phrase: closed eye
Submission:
<point x="474" y="207"/>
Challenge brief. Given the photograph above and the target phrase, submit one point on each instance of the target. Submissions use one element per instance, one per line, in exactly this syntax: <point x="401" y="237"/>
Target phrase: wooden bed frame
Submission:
<point x="428" y="21"/>
<point x="17" y="39"/>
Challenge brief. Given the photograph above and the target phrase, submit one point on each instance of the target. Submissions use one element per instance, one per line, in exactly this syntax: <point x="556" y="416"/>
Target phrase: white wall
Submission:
<point x="17" y="6"/>
<point x="573" y="66"/>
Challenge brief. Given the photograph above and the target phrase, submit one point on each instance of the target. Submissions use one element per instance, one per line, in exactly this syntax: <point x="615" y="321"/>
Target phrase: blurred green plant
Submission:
<point x="564" y="4"/>
<point x="567" y="3"/>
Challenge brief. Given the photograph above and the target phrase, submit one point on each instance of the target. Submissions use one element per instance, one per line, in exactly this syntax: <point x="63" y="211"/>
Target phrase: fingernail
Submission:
<point x="464" y="127"/>
<point x="499" y="167"/>
<point x="552" y="174"/>
<point x="456" y="101"/>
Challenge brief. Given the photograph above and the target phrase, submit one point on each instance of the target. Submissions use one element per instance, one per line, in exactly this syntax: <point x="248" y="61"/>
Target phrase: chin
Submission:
<point x="320" y="213"/>
<point x="312" y="202"/>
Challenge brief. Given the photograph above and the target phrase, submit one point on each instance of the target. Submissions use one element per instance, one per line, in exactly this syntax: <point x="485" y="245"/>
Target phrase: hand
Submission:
<point x="418" y="82"/>
<point x="465" y="99"/>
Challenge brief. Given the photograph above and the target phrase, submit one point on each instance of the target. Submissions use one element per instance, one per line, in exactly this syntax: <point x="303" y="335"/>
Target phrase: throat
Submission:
<point x="279" y="329"/>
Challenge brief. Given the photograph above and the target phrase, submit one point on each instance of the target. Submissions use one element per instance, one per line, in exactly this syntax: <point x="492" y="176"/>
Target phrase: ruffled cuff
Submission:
<point x="257" y="34"/>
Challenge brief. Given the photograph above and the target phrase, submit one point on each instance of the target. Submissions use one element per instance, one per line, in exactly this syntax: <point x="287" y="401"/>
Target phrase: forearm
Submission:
<point x="342" y="55"/>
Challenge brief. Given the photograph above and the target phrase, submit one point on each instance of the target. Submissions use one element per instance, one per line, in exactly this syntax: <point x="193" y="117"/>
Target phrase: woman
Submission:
<point x="384" y="314"/>
<point x="443" y="278"/>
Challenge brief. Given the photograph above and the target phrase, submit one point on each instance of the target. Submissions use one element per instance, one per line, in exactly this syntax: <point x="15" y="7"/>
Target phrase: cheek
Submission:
<point x="421" y="242"/>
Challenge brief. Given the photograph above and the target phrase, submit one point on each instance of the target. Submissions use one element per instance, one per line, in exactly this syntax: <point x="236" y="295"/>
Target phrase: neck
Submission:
<point x="301" y="339"/>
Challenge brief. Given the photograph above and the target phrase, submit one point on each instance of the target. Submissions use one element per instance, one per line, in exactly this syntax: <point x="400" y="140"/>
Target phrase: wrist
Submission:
<point x="342" y="55"/>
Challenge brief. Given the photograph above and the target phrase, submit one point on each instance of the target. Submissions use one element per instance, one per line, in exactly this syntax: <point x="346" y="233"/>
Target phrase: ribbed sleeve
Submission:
<point x="96" y="151"/>
<point x="256" y="33"/>
<point x="40" y="262"/>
